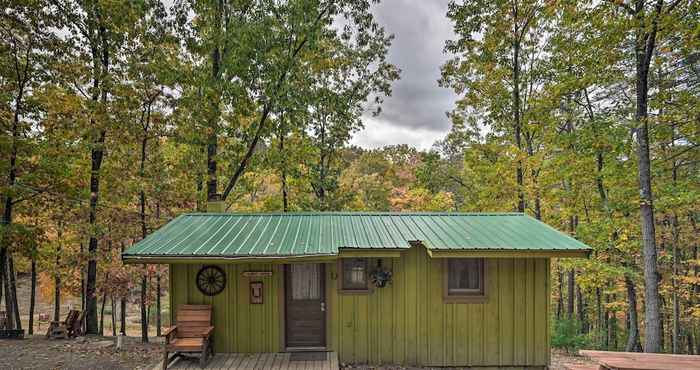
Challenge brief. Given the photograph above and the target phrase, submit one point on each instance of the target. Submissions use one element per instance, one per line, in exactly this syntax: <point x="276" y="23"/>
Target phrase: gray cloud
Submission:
<point x="417" y="106"/>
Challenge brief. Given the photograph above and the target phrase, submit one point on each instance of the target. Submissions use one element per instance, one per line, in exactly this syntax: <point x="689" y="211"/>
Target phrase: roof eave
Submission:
<point x="509" y="253"/>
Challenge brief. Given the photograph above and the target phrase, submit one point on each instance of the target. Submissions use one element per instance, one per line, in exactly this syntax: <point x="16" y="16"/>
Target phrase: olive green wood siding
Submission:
<point x="408" y="323"/>
<point x="238" y="325"/>
<point x="404" y="323"/>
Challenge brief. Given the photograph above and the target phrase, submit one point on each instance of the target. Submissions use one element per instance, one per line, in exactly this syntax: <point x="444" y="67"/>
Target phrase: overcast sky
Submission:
<point x="415" y="113"/>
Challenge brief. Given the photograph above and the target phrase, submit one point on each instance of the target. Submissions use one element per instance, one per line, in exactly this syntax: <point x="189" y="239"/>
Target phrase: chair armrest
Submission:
<point x="168" y="332"/>
<point x="207" y="332"/>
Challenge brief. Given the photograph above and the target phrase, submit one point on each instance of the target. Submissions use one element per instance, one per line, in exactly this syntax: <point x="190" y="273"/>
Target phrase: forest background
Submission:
<point x="116" y="116"/>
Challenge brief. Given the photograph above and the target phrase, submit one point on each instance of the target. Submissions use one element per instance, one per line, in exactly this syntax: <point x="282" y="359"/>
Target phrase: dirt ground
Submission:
<point x="37" y="352"/>
<point x="561" y="358"/>
<point x="85" y="353"/>
<point x="95" y="352"/>
<point x="46" y="306"/>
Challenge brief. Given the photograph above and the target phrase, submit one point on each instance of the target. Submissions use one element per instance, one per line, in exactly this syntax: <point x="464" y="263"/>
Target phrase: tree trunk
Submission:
<point x="158" y="318"/>
<point x="689" y="341"/>
<point x="676" y="334"/>
<point x="606" y="325"/>
<point x="11" y="294"/>
<point x="6" y="287"/>
<point x="122" y="316"/>
<point x="570" y="294"/>
<point x="560" y="299"/>
<point x="213" y="124"/>
<point x="517" y="125"/>
<point x="32" y="297"/>
<point x="644" y="51"/>
<point x="102" y="313"/>
<point x="57" y="277"/>
<point x="613" y="327"/>
<point x="599" y="315"/>
<point x="144" y="314"/>
<point x="114" y="315"/>
<point x="581" y="309"/>
<point x="283" y="168"/>
<point x="633" y="343"/>
<point x="11" y="304"/>
<point x="83" y="302"/>
<point x="100" y="57"/>
<point x="122" y="307"/>
<point x="2" y="274"/>
<point x="144" y="233"/>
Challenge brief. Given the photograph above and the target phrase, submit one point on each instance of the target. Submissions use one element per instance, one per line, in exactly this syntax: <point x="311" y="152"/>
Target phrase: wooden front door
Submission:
<point x="305" y="305"/>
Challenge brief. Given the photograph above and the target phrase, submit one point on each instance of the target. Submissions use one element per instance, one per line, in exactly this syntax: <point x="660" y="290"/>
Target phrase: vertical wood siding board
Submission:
<point x="541" y="314"/>
<point x="268" y="289"/>
<point x="529" y="310"/>
<point x="242" y="336"/>
<point x="388" y="312"/>
<point x="251" y="322"/>
<point x="365" y="325"/>
<point x="411" y="280"/>
<point x="491" y="317"/>
<point x="346" y="338"/>
<point x="460" y="337"/>
<point x="394" y="313"/>
<point x="520" y="311"/>
<point x="435" y="315"/>
<point x="230" y="304"/>
<point x="423" y="317"/>
<point x="331" y="306"/>
<point x="218" y="317"/>
<point x="400" y="300"/>
<point x="548" y="295"/>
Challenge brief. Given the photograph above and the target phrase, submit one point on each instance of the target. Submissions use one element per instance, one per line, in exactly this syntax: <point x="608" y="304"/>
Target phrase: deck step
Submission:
<point x="581" y="366"/>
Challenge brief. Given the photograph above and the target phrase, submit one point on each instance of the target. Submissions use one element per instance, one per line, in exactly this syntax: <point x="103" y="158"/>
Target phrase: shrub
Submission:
<point x="566" y="335"/>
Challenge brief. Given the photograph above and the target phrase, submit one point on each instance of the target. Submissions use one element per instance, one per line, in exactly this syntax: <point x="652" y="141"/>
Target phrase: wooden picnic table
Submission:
<point x="642" y="361"/>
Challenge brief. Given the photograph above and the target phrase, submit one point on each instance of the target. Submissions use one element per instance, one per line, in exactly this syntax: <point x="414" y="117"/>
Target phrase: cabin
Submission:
<point x="410" y="289"/>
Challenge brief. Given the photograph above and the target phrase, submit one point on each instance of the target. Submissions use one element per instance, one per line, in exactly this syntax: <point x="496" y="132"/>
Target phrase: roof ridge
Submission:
<point x="350" y="213"/>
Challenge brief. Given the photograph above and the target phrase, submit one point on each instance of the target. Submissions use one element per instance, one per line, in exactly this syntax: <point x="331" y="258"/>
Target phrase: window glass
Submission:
<point x="305" y="281"/>
<point x="465" y="276"/>
<point x="354" y="273"/>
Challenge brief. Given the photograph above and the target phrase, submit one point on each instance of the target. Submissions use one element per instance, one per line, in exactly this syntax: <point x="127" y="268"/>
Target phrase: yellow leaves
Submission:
<point x="421" y="199"/>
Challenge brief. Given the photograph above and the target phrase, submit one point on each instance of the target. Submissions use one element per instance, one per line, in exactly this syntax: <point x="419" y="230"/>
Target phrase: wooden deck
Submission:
<point x="643" y="361"/>
<point x="256" y="361"/>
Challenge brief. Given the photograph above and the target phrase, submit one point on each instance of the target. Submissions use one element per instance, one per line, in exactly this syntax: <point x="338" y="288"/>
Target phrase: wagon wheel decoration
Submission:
<point x="211" y="280"/>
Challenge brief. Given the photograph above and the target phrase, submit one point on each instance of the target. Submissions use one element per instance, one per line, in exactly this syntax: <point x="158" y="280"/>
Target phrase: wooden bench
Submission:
<point x="192" y="333"/>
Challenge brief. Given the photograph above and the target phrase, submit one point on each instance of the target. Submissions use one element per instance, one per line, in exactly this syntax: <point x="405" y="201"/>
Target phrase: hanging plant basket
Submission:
<point x="380" y="277"/>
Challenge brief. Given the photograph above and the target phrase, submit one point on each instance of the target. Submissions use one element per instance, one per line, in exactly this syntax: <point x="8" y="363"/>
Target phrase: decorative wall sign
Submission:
<point x="211" y="280"/>
<point x="256" y="292"/>
<point x="255" y="274"/>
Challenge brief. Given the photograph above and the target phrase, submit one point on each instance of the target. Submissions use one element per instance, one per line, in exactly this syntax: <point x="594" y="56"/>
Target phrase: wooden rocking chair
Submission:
<point x="192" y="333"/>
<point x="72" y="326"/>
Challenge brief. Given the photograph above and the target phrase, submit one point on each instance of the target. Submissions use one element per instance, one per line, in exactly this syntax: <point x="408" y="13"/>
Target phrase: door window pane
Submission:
<point x="305" y="281"/>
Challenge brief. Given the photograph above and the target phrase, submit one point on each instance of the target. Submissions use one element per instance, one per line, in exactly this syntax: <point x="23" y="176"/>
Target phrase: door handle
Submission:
<point x="323" y="306"/>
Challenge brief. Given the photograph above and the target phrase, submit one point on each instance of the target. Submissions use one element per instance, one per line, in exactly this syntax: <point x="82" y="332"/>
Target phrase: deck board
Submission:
<point x="643" y="361"/>
<point x="254" y="361"/>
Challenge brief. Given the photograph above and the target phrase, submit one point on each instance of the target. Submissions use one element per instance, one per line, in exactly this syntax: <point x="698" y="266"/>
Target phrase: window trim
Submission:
<point x="341" y="277"/>
<point x="464" y="298"/>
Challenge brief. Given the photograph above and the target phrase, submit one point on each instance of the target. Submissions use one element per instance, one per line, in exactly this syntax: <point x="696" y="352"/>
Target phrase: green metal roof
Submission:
<point x="229" y="235"/>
